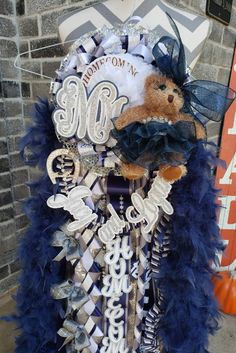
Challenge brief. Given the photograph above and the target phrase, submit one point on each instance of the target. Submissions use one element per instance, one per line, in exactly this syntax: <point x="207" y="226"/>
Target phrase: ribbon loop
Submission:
<point x="76" y="296"/>
<point x="71" y="248"/>
<point x="211" y="99"/>
<point x="144" y="52"/>
<point x="83" y="59"/>
<point x="72" y="331"/>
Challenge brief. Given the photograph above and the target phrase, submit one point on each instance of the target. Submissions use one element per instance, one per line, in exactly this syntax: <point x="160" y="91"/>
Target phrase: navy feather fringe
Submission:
<point x="40" y="138"/>
<point x="38" y="315"/>
<point x="189" y="307"/>
<point x="190" y="310"/>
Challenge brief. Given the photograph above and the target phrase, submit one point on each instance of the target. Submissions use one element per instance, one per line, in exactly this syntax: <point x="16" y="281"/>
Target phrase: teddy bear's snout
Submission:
<point x="170" y="98"/>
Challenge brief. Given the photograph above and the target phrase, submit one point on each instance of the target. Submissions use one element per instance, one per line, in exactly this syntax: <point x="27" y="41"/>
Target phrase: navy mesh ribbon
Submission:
<point x="211" y="99"/>
<point x="155" y="143"/>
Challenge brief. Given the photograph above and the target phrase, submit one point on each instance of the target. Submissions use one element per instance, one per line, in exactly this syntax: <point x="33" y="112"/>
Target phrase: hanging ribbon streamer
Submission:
<point x="160" y="249"/>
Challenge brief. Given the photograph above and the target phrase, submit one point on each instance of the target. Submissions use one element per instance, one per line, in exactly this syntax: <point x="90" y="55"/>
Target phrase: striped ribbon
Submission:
<point x="160" y="245"/>
<point x="97" y="45"/>
<point x="150" y="340"/>
<point x="160" y="250"/>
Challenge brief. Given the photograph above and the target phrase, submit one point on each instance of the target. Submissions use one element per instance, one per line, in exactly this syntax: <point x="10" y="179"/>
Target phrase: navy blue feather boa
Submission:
<point x="190" y="310"/>
<point x="189" y="307"/>
<point x="38" y="315"/>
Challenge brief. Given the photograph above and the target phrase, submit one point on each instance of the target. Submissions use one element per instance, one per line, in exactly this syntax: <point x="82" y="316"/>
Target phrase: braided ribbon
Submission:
<point x="87" y="272"/>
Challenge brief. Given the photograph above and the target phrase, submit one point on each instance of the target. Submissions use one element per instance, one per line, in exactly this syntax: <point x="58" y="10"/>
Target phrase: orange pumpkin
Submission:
<point x="225" y="291"/>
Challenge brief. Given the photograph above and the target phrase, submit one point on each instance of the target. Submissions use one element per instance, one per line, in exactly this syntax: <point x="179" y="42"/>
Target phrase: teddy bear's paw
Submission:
<point x="120" y="123"/>
<point x="132" y="171"/>
<point x="172" y="174"/>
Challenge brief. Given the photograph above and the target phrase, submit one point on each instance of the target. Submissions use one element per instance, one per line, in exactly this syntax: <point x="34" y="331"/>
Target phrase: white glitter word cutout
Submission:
<point x="142" y="210"/>
<point x="116" y="283"/>
<point x="148" y="209"/>
<point x="74" y="204"/>
<point x="113" y="226"/>
<point x="83" y="115"/>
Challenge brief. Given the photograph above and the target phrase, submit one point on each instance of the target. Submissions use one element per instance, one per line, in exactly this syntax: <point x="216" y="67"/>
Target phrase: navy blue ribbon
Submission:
<point x="210" y="99"/>
<point x="118" y="190"/>
<point x="154" y="143"/>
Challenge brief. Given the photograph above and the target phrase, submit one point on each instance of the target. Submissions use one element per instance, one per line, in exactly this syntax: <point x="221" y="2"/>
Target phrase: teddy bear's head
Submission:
<point x="162" y="95"/>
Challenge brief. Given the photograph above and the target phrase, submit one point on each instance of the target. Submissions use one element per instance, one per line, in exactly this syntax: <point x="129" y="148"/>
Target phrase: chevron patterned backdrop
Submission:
<point x="194" y="29"/>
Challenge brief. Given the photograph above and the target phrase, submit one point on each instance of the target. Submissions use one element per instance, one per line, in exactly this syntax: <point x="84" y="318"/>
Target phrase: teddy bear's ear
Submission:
<point x="150" y="80"/>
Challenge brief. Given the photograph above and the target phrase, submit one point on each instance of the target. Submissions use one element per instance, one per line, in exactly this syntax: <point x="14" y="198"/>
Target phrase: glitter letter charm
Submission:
<point x="83" y="115"/>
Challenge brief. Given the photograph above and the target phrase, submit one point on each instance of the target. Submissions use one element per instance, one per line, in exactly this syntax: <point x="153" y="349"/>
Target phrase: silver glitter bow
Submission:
<point x="75" y="295"/>
<point x="74" y="335"/>
<point x="71" y="248"/>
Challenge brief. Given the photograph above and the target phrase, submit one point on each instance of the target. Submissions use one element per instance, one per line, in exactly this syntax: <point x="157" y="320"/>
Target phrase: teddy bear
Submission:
<point x="162" y="98"/>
